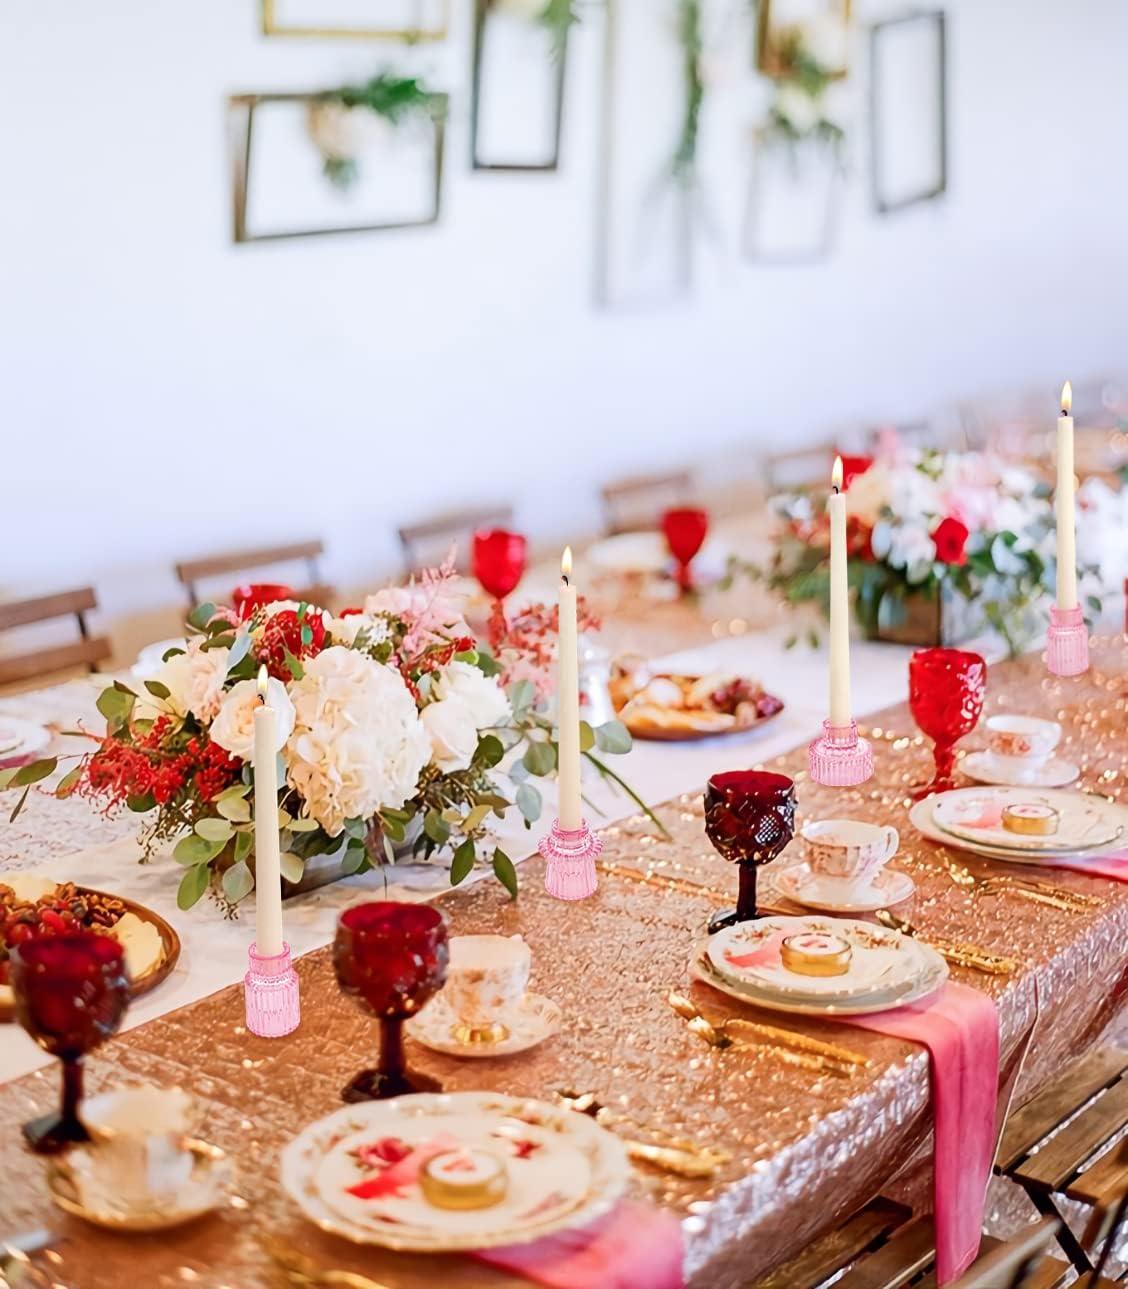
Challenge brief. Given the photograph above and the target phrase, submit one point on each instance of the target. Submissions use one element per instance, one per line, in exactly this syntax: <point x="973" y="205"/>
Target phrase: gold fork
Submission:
<point x="801" y="1043"/>
<point x="303" y="1272"/>
<point x="684" y="1159"/>
<point x="1058" y="897"/>
<point x="956" y="952"/>
<point x="720" y="1041"/>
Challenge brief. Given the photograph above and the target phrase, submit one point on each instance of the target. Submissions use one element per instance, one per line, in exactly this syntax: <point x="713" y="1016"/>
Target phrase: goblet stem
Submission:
<point x="746" y="894"/>
<point x="51" y="1133"/>
<point x="72" y="1097"/>
<point x="392" y="1063"/>
<point x="944" y="754"/>
<point x="684" y="578"/>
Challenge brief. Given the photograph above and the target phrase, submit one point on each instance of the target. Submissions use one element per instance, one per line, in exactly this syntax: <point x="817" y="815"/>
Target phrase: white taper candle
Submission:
<point x="268" y="862"/>
<point x="568" y="701"/>
<point x="839" y="605"/>
<point x="1064" y="506"/>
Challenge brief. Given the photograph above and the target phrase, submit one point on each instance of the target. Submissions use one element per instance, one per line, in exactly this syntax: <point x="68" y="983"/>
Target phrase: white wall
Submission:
<point x="164" y="393"/>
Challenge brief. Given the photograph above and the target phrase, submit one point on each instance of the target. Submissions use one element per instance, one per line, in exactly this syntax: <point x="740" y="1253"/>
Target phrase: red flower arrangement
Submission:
<point x="950" y="536"/>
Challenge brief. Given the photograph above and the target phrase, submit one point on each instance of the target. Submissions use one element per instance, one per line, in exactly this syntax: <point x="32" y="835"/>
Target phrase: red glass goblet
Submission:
<point x="686" y="528"/>
<point x="255" y="595"/>
<point x="71" y="992"/>
<point x="749" y="818"/>
<point x="393" y="957"/>
<point x="498" y="557"/>
<point x="946" y="688"/>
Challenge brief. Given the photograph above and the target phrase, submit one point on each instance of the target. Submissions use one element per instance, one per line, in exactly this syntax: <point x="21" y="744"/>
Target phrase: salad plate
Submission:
<point x="1029" y="819"/>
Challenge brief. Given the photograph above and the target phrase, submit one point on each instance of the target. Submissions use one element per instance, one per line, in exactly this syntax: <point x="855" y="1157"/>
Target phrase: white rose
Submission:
<point x="176" y="676"/>
<point x="453" y="734"/>
<point x="358" y="743"/>
<point x="345" y="630"/>
<point x="207" y="673"/>
<point x="234" y="727"/>
<point x="464" y="683"/>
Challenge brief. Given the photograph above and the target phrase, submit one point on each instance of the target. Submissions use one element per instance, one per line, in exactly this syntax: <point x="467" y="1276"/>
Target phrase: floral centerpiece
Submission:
<point x="394" y="723"/>
<point x="926" y="525"/>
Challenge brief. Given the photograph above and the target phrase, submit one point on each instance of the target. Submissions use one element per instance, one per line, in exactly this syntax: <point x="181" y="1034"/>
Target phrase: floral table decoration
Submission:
<point x="394" y="723"/>
<point x="941" y="546"/>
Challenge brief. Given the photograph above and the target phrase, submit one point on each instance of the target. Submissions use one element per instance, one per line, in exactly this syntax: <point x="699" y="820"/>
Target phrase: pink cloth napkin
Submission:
<point x="960" y="1028"/>
<point x="636" y="1245"/>
<point x="1113" y="863"/>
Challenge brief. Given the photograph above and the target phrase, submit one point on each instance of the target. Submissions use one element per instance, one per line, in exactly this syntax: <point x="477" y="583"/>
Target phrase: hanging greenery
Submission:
<point x="690" y="39"/>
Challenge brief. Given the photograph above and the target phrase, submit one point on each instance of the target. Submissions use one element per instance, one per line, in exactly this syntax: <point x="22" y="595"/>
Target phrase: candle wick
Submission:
<point x="836" y="488"/>
<point x="565" y="579"/>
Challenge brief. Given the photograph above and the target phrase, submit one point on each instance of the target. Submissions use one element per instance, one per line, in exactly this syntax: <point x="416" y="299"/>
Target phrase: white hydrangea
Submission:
<point x="358" y="743"/>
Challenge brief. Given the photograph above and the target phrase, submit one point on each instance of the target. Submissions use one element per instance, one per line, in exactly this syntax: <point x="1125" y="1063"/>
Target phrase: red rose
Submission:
<point x="852" y="467"/>
<point x="286" y="633"/>
<point x="951" y="541"/>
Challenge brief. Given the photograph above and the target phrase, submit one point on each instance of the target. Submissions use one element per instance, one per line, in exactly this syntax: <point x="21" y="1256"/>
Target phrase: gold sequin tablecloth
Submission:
<point x="804" y="1148"/>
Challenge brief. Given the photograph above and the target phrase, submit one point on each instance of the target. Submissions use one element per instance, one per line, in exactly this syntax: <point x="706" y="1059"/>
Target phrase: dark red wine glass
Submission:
<point x="393" y="957"/>
<point x="685" y="528"/>
<point x="946" y="689"/>
<point x="749" y="818"/>
<point x="71" y="992"/>
<point x="498" y="557"/>
<point x="249" y="597"/>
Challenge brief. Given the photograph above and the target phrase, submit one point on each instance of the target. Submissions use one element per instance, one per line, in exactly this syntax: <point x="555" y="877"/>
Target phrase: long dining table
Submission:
<point x="803" y="1148"/>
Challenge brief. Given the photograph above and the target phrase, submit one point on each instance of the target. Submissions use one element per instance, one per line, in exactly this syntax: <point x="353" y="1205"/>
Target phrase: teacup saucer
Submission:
<point x="535" y="1019"/>
<point x="986" y="767"/>
<point x="81" y="1186"/>
<point x="837" y="895"/>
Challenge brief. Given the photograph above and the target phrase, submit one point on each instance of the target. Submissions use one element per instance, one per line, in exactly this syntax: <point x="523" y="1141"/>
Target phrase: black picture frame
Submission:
<point x="242" y="108"/>
<point x="887" y="197"/>
<point x="481" y="19"/>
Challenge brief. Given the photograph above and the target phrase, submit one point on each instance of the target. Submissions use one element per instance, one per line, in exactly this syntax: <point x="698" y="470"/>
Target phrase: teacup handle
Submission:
<point x="892" y="841"/>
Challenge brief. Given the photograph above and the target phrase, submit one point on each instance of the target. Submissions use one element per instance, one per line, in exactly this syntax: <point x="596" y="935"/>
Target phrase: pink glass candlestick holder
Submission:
<point x="839" y="758"/>
<point x="1067" y="643"/>
<point x="270" y="991"/>
<point x="570" y="855"/>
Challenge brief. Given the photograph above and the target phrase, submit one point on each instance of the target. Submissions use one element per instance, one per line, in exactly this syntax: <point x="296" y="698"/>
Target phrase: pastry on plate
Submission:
<point x="668" y="705"/>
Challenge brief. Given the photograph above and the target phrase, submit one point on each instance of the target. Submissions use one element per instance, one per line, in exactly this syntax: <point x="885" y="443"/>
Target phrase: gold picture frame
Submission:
<point x="275" y="25"/>
<point x="769" y="54"/>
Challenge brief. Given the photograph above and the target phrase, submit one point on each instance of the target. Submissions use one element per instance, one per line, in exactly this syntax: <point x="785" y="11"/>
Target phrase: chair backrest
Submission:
<point x="83" y="653"/>
<point x="190" y="573"/>
<point x="428" y="542"/>
<point x="638" y="502"/>
<point x="798" y="468"/>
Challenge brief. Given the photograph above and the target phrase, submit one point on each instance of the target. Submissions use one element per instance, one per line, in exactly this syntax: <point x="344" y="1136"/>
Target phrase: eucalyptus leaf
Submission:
<point x="614" y="737"/>
<point x="192" y="885"/>
<point x="214" y="830"/>
<point x="114" y="704"/>
<point x="355" y="859"/>
<point x="436" y="827"/>
<point x="462" y="863"/>
<point x="293" y="866"/>
<point x="236" y="790"/>
<point x="68" y="782"/>
<point x="158" y="689"/>
<point x="239" y="649"/>
<point x="244" y="844"/>
<point x="196" y="850"/>
<point x="490" y="751"/>
<point x="529" y="802"/>
<point x="476" y="817"/>
<point x="540" y="758"/>
<point x="522" y="694"/>
<point x="304" y="825"/>
<point x="201" y="615"/>
<point x="587" y="736"/>
<point x="141" y="804"/>
<point x="505" y="872"/>
<point x="237" y="809"/>
<point x="20" y="803"/>
<point x="238" y="882"/>
<point x="33" y="772"/>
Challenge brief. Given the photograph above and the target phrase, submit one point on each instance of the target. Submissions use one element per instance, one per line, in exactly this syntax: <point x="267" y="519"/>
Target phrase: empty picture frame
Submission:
<point x="410" y="20"/>
<point x="645" y="220"/>
<point x="280" y="188"/>
<point x="517" y="103"/>
<point x="908" y="110"/>
<point x="775" y="17"/>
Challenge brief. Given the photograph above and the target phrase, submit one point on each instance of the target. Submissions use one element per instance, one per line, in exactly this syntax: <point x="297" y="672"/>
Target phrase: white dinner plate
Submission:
<point x="920" y="816"/>
<point x="564" y="1170"/>
<point x="930" y="973"/>
<point x="882" y="961"/>
<point x="834" y="894"/>
<point x="21" y="740"/>
<point x="1084" y="822"/>
<point x="1007" y="771"/>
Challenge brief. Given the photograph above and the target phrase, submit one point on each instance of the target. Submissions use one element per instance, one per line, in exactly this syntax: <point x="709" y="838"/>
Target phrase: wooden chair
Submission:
<point x="189" y="573"/>
<point x="85" y="652"/>
<point x="1048" y="1144"/>
<point x="427" y="544"/>
<point x="637" y="502"/>
<point x="798" y="469"/>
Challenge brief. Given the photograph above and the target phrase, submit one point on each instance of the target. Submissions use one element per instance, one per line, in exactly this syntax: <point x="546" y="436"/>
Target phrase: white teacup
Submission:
<point x="847" y="849"/>
<point x="138" y="1134"/>
<point x="486" y="979"/>
<point x="1025" y="742"/>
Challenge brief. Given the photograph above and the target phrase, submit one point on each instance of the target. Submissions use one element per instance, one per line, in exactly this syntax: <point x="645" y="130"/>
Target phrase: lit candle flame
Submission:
<point x="836" y="474"/>
<point x="566" y="563"/>
<point x="1066" y="399"/>
<point x="263" y="683"/>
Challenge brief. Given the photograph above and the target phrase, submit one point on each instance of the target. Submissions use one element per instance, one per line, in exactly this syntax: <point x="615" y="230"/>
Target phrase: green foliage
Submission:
<point x="505" y="872"/>
<point x="692" y="47"/>
<point x="392" y="97"/>
<point x="463" y="862"/>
